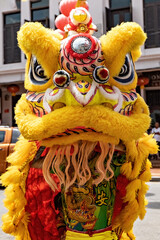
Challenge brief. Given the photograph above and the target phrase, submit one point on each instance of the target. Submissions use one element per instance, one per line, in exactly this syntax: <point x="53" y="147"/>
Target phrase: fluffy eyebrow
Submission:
<point x="44" y="43"/>
<point x="123" y="39"/>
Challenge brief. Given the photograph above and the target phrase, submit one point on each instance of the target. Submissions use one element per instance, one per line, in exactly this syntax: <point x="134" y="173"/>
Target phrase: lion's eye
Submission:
<point x="36" y="72"/>
<point x="39" y="71"/>
<point x="127" y="73"/>
<point x="123" y="71"/>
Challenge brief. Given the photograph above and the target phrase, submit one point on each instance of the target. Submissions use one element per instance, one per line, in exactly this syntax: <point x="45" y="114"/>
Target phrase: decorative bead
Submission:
<point x="80" y="15"/>
<point x="101" y="74"/>
<point x="61" y="79"/>
<point x="82" y="28"/>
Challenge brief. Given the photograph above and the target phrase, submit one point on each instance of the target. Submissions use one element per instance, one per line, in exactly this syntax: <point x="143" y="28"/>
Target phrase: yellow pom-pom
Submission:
<point x="126" y="169"/>
<point x="132" y="189"/>
<point x="128" y="236"/>
<point x="13" y="175"/>
<point x="8" y="226"/>
<point x="147" y="144"/>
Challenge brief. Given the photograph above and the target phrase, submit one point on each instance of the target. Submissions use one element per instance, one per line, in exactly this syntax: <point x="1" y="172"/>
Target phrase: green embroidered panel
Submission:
<point x="90" y="207"/>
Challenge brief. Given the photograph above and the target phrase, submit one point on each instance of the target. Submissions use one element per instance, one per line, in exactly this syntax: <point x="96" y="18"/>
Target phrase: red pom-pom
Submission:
<point x="66" y="6"/>
<point x="61" y="21"/>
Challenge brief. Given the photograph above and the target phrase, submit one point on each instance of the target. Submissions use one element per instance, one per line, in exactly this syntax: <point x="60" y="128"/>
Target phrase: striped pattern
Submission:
<point x="130" y="97"/>
<point x="38" y="111"/>
<point x="127" y="111"/>
<point x="77" y="131"/>
<point x="34" y="97"/>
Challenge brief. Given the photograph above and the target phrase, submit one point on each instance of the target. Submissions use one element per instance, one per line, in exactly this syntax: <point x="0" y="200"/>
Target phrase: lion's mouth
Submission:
<point x="35" y="123"/>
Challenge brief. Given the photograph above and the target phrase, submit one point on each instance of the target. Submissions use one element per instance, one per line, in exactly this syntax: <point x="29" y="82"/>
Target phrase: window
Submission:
<point x="2" y="135"/>
<point x="120" y="11"/>
<point x="117" y="4"/>
<point x="40" y="12"/>
<point x="18" y="4"/>
<point x="15" y="135"/>
<point x="152" y="23"/>
<point x="12" y="53"/>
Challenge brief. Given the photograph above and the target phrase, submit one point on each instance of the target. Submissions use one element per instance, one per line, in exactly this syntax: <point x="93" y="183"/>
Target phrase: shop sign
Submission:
<point x="154" y="79"/>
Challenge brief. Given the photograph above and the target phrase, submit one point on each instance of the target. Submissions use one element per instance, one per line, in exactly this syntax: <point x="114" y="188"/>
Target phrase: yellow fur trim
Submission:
<point x="140" y="107"/>
<point x="137" y="153"/>
<point x="92" y="137"/>
<point x="146" y="174"/>
<point x="136" y="54"/>
<point x="43" y="43"/>
<point x="127" y="216"/>
<point x="132" y="189"/>
<point x="137" y="170"/>
<point x="123" y="39"/>
<point x="128" y="236"/>
<point x="16" y="220"/>
<point x="21" y="153"/>
<point x="147" y="145"/>
<point x="141" y="199"/>
<point x="8" y="226"/>
<point x="126" y="169"/>
<point x="15" y="198"/>
<point x="15" y="172"/>
<point x="101" y="118"/>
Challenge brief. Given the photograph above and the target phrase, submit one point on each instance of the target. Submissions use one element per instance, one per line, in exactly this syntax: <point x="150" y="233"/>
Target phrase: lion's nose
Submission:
<point x="83" y="87"/>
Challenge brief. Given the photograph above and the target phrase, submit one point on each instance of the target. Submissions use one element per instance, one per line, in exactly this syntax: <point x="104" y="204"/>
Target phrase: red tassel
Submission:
<point x="122" y="183"/>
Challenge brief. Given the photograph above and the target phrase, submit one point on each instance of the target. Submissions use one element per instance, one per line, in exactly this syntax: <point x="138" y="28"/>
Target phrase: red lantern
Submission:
<point x="13" y="89"/>
<point x="67" y="5"/>
<point x="142" y="81"/>
<point x="61" y="21"/>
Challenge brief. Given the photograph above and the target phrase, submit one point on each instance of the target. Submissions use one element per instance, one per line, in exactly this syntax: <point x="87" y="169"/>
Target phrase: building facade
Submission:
<point x="106" y="14"/>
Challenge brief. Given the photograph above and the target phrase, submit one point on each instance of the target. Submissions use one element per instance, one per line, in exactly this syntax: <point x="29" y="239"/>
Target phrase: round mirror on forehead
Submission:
<point x="81" y="45"/>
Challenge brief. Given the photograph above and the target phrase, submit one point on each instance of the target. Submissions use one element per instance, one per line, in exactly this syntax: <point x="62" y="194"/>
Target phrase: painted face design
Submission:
<point x="84" y="77"/>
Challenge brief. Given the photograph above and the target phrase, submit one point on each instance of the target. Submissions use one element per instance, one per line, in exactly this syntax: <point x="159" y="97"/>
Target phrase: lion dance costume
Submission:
<point x="80" y="166"/>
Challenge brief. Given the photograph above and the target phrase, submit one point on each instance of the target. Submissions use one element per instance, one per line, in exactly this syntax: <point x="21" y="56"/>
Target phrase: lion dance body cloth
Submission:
<point x="80" y="167"/>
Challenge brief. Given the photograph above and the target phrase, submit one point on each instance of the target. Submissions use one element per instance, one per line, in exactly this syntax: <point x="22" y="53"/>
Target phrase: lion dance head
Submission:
<point x="81" y="103"/>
